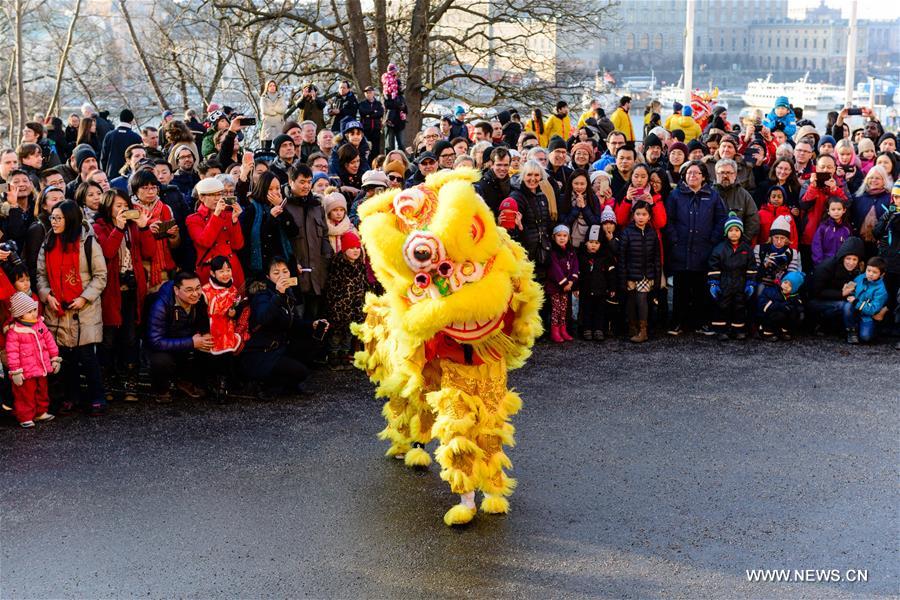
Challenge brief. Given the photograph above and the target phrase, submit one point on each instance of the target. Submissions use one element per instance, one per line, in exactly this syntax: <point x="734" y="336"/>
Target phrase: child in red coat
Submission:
<point x="32" y="354"/>
<point x="222" y="299"/>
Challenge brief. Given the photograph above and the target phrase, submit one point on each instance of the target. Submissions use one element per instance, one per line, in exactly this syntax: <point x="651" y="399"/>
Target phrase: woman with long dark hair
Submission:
<point x="120" y="239"/>
<point x="71" y="276"/>
<point x="580" y="207"/>
<point x="87" y="134"/>
<point x="268" y="229"/>
<point x="536" y="126"/>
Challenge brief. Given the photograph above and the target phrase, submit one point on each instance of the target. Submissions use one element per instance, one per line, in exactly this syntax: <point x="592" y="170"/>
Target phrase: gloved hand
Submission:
<point x="714" y="290"/>
<point x="749" y="289"/>
<point x="17" y="378"/>
<point x="57" y="364"/>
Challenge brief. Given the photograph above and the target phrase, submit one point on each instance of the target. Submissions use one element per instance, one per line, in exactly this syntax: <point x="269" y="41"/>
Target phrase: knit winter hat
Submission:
<point x="608" y="215"/>
<point x="895" y="189"/>
<point x="781" y="226"/>
<point x="586" y="146"/>
<point x="319" y="176"/>
<point x="279" y="140"/>
<point x="733" y="220"/>
<point x="350" y="240"/>
<point x="560" y="229"/>
<point x="594" y="233"/>
<point x="687" y="111"/>
<point x="680" y="146"/>
<point x="334" y="200"/>
<point x="556" y="143"/>
<point x="796" y="278"/>
<point x="782" y="101"/>
<point x="652" y="140"/>
<point x="395" y="166"/>
<point x="82" y="154"/>
<point x="677" y="106"/>
<point x="21" y="303"/>
<point x="696" y="144"/>
<point x="827" y="139"/>
<point x="777" y="187"/>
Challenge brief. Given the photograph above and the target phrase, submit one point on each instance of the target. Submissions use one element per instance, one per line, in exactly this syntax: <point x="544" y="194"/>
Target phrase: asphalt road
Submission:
<point x="665" y="470"/>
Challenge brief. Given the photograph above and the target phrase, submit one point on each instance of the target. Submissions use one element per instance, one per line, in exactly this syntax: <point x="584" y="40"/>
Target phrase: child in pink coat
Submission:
<point x="32" y="354"/>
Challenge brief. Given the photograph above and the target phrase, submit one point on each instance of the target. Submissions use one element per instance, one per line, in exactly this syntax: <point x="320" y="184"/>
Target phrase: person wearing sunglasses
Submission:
<point x="395" y="171"/>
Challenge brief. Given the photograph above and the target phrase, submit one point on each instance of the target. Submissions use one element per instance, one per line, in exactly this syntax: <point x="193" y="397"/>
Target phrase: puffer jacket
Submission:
<point x="871" y="296"/>
<point x="639" y="255"/>
<point x="814" y="205"/>
<point x="169" y="327"/>
<point x="536" y="225"/>
<point x="887" y="232"/>
<point x="30" y="349"/>
<point x="688" y="125"/>
<point x="596" y="271"/>
<point x="695" y="222"/>
<point x="732" y="267"/>
<point x="86" y="327"/>
<point x="767" y="216"/>
<point x="861" y="207"/>
<point x="828" y="239"/>
<point x="829" y="277"/>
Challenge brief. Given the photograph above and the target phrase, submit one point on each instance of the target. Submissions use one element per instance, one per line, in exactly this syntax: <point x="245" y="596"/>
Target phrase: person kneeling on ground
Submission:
<point x="178" y="338"/>
<point x="866" y="303"/>
<point x="275" y="327"/>
<point x="832" y="281"/>
<point x="780" y="308"/>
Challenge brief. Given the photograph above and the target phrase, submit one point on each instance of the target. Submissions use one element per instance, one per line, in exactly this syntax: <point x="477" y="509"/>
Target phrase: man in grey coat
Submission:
<point x="737" y="199"/>
<point x="311" y="247"/>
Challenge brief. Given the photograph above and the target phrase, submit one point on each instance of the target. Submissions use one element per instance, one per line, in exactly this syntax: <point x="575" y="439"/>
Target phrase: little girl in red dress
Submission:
<point x="222" y="298"/>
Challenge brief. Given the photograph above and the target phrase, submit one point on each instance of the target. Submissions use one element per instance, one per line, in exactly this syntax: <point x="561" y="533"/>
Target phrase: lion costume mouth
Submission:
<point x="470" y="331"/>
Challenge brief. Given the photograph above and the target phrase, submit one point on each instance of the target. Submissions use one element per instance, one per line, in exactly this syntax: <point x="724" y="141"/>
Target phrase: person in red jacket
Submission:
<point x="126" y="241"/>
<point x="773" y="208"/>
<point x="814" y="203"/>
<point x="215" y="230"/>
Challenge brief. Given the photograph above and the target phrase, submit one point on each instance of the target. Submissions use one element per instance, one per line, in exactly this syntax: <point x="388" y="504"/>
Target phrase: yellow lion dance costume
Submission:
<point x="460" y="308"/>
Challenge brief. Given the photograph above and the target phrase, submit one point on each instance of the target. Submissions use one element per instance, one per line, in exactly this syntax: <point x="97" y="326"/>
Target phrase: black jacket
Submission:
<point x="732" y="267"/>
<point x="536" y="225"/>
<point x="493" y="191"/>
<point x="370" y="115"/>
<point x="596" y="271"/>
<point x="348" y="106"/>
<point x="170" y="328"/>
<point x="395" y="116"/>
<point x="887" y="232"/>
<point x="639" y="255"/>
<point x="827" y="280"/>
<point x="271" y="230"/>
<point x="112" y="154"/>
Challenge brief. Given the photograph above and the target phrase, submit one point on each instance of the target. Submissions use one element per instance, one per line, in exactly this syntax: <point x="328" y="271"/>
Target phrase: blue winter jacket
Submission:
<point x="169" y="327"/>
<point x="789" y="122"/>
<point x="695" y="226"/>
<point x="871" y="296"/>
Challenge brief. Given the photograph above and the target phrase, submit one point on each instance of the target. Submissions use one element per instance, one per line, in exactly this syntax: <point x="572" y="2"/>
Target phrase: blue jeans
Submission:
<point x="853" y="319"/>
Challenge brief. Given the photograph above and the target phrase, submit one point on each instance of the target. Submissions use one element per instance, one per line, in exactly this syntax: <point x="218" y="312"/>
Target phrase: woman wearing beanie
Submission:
<point x="71" y="275"/>
<point x="272" y="107"/>
<point x="32" y="354"/>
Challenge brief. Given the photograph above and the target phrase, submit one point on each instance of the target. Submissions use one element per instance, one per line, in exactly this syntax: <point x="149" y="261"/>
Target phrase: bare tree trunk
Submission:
<point x="182" y="82"/>
<point x="418" y="49"/>
<point x="63" y="59"/>
<point x="361" y="59"/>
<point x="9" y="101"/>
<point x="151" y="78"/>
<point x="20" y="83"/>
<point x="382" y="50"/>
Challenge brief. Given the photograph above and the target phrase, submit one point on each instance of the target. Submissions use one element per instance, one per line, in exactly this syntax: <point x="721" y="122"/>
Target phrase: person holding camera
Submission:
<point x="276" y="329"/>
<point x="312" y="107"/>
<point x="216" y="230"/>
<point x="160" y="232"/>
<point x="71" y="276"/>
<point x="118" y="228"/>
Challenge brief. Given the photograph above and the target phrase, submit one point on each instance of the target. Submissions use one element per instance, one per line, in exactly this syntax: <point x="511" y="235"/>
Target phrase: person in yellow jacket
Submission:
<point x="676" y="114"/>
<point x="621" y="120"/>
<point x="590" y="113"/>
<point x="536" y="126"/>
<point x="686" y="123"/>
<point x="559" y="124"/>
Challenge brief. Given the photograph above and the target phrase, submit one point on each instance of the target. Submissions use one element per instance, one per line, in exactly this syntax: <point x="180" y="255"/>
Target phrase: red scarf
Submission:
<point x="64" y="271"/>
<point x="158" y="260"/>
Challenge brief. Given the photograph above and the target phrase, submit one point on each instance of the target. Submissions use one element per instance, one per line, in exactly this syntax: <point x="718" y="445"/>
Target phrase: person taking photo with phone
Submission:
<point x="215" y="229"/>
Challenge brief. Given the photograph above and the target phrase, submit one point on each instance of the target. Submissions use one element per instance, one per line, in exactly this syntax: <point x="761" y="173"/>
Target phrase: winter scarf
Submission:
<point x="64" y="271"/>
<point x="336" y="230"/>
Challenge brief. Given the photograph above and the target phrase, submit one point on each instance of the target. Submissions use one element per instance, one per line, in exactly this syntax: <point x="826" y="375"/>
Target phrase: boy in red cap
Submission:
<point x="344" y="294"/>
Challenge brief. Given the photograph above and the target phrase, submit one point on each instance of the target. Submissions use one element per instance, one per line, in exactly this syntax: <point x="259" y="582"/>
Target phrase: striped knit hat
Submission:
<point x="21" y="303"/>
<point x="733" y="221"/>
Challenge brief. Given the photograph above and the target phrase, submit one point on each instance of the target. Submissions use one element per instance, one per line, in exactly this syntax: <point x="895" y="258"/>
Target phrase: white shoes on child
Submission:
<point x="41" y="418"/>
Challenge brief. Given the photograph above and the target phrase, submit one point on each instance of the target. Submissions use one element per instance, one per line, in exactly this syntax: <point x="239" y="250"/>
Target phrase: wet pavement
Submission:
<point x="665" y="470"/>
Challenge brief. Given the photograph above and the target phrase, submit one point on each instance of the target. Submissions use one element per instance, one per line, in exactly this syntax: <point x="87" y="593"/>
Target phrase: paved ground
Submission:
<point x="660" y="471"/>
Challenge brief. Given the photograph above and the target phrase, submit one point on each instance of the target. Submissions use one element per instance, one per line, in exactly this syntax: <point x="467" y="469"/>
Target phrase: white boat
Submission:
<point x="801" y="94"/>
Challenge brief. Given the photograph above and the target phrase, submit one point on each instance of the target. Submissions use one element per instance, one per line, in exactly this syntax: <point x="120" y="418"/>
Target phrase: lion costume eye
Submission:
<point x="423" y="251"/>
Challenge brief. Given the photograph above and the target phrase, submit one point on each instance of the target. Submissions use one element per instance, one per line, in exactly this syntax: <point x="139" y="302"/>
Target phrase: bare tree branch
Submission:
<point x="67" y="46"/>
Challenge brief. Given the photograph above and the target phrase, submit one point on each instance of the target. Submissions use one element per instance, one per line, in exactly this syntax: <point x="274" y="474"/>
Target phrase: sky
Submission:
<point x="866" y="9"/>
